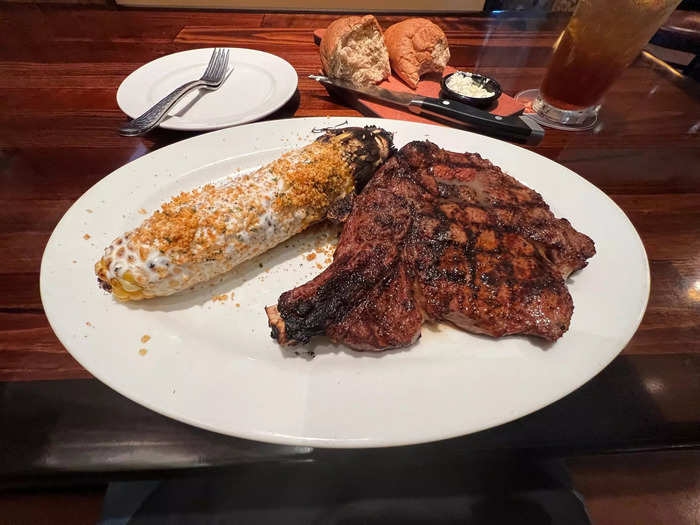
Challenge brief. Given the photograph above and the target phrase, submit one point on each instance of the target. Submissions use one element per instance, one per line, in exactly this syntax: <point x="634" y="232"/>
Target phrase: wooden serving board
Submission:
<point x="429" y="86"/>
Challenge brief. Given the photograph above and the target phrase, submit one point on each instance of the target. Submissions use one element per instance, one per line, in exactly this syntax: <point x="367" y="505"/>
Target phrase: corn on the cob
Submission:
<point x="206" y="232"/>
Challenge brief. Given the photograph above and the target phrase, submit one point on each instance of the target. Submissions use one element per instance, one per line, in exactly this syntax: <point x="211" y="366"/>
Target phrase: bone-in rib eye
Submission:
<point x="439" y="236"/>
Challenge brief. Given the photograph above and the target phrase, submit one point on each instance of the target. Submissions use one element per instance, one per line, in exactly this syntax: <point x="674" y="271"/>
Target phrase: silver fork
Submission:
<point x="212" y="79"/>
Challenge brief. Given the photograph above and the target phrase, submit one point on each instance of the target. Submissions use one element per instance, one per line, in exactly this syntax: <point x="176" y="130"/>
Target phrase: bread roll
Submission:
<point x="416" y="46"/>
<point x="353" y="49"/>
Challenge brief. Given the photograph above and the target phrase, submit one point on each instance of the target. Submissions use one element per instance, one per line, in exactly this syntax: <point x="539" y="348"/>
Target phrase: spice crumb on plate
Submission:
<point x="86" y="236"/>
<point x="145" y="338"/>
<point x="143" y="351"/>
<point x="142" y="211"/>
<point x="222" y="297"/>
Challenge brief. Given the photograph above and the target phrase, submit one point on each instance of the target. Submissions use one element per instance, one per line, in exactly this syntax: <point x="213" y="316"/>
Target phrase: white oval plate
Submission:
<point x="213" y="364"/>
<point x="259" y="84"/>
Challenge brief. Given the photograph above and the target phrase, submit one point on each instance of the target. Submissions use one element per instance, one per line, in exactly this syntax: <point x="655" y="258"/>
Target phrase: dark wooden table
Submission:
<point x="60" y="67"/>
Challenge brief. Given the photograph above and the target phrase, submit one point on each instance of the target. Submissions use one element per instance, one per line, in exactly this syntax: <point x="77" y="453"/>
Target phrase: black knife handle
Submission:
<point x="506" y="127"/>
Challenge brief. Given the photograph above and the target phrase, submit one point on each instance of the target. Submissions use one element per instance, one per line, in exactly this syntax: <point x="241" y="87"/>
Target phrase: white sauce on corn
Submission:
<point x="157" y="274"/>
<point x="142" y="267"/>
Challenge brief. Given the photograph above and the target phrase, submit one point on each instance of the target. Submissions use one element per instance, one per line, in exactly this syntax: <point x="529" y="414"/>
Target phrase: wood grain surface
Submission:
<point x="60" y="67"/>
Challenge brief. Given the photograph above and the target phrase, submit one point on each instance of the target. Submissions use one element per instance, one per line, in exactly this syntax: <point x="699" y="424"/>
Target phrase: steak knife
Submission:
<point x="518" y="127"/>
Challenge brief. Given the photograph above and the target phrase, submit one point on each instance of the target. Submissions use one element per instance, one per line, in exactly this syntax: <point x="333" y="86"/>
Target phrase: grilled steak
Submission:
<point x="439" y="236"/>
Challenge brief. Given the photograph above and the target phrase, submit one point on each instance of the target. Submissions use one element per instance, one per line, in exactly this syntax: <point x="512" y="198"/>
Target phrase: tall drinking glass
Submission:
<point x="602" y="38"/>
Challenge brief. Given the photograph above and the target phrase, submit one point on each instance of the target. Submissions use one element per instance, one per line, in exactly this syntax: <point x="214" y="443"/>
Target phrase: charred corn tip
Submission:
<point x="369" y="147"/>
<point x="383" y="140"/>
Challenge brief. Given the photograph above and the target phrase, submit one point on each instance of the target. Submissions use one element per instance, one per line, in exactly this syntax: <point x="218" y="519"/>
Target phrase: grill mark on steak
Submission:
<point x="439" y="236"/>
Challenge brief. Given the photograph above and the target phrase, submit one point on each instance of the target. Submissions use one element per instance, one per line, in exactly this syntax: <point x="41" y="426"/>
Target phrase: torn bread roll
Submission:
<point x="353" y="49"/>
<point x="416" y="47"/>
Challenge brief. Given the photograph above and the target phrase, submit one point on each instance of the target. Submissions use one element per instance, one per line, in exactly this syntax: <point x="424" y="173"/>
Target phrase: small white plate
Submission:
<point x="259" y="84"/>
<point x="212" y="363"/>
